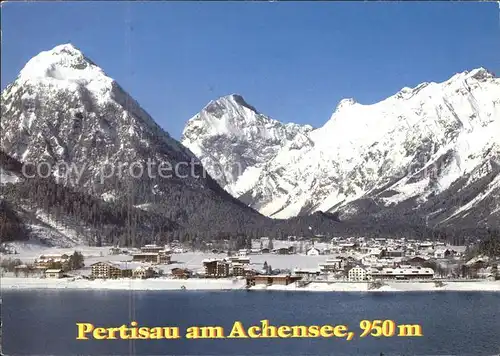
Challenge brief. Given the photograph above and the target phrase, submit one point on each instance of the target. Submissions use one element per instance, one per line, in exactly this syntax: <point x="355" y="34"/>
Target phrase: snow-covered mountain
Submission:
<point x="112" y="173"/>
<point x="234" y="141"/>
<point x="403" y="154"/>
<point x="64" y="110"/>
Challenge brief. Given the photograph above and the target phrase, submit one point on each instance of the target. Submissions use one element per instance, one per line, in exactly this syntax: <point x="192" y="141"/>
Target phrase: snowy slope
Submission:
<point x="411" y="147"/>
<point x="364" y="147"/>
<point x="233" y="141"/>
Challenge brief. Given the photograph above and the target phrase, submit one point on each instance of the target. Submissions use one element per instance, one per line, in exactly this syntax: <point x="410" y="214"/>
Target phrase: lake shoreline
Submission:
<point x="11" y="283"/>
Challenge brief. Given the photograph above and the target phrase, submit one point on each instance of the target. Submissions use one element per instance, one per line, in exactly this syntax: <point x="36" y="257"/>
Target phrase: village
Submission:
<point x="267" y="263"/>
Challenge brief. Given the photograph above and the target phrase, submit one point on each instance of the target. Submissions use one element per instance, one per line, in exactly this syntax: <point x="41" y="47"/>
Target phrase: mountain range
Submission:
<point x="75" y="147"/>
<point x="429" y="153"/>
<point x="82" y="162"/>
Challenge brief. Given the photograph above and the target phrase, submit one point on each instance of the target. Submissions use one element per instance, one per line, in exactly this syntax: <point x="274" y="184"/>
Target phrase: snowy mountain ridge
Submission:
<point x="239" y="140"/>
<point x="405" y="150"/>
<point x="65" y="69"/>
<point x="109" y="172"/>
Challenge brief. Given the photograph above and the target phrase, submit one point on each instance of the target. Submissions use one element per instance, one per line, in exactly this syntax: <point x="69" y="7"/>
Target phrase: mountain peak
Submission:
<point x="233" y="141"/>
<point x="345" y="103"/>
<point x="62" y="63"/>
<point x="237" y="98"/>
<point x="66" y="48"/>
<point x="481" y="73"/>
<point x="231" y="102"/>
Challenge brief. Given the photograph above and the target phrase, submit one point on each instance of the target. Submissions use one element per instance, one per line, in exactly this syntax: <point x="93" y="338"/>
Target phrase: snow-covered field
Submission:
<point x="234" y="284"/>
<point x="482" y="286"/>
<point x="122" y="284"/>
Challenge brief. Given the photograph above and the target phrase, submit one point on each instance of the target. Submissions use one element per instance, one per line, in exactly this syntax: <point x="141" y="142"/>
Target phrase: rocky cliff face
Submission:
<point x="234" y="141"/>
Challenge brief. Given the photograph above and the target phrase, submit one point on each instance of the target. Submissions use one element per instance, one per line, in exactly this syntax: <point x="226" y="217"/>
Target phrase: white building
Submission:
<point x="313" y="251"/>
<point x="357" y="274"/>
<point x="406" y="272"/>
<point x="54" y="273"/>
<point x="374" y="261"/>
<point x="143" y="272"/>
<point x="49" y="259"/>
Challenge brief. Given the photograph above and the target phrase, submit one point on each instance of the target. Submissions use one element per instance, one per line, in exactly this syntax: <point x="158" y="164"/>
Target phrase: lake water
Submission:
<point x="44" y="322"/>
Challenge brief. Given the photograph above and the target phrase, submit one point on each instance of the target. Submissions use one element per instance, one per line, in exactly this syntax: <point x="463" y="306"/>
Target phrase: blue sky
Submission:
<point x="293" y="61"/>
